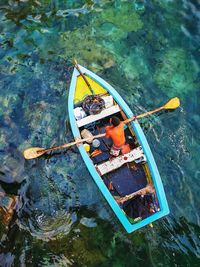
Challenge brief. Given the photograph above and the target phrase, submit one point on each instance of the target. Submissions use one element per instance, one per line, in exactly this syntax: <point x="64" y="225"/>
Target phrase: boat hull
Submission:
<point x="164" y="210"/>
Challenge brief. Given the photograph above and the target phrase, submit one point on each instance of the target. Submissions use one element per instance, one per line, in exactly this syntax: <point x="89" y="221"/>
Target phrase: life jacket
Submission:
<point x="116" y="133"/>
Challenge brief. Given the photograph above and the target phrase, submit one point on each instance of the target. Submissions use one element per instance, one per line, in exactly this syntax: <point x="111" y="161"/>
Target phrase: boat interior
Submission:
<point x="127" y="176"/>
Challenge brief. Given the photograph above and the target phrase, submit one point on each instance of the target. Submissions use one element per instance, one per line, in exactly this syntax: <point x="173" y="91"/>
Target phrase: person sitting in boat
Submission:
<point x="116" y="133"/>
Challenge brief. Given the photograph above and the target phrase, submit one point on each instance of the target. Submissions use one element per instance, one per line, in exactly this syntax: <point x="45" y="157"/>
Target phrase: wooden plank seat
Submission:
<point x="104" y="113"/>
<point x="115" y="163"/>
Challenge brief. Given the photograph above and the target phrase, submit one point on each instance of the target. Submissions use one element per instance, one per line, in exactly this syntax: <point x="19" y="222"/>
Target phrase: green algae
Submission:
<point x="86" y="43"/>
<point x="135" y="66"/>
<point x="86" y="47"/>
<point x="176" y="73"/>
<point x="130" y="69"/>
<point x="108" y="29"/>
<point x="123" y="17"/>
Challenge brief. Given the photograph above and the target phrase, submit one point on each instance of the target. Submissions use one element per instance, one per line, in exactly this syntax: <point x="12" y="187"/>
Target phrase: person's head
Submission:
<point x="115" y="121"/>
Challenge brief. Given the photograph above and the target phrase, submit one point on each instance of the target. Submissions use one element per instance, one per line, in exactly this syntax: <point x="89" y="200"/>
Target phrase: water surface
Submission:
<point x="149" y="51"/>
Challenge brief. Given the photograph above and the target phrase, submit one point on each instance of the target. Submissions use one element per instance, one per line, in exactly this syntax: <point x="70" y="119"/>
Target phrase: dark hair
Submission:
<point x="115" y="121"/>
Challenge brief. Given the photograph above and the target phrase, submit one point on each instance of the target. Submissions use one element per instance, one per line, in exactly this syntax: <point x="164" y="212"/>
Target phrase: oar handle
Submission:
<point x="84" y="78"/>
<point x="71" y="144"/>
<point x="143" y="115"/>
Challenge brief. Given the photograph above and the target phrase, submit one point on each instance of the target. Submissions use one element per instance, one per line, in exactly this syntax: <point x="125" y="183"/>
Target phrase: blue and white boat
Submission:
<point x="130" y="183"/>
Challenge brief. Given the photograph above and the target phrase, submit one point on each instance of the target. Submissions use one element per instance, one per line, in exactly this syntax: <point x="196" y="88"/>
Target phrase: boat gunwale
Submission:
<point x="164" y="210"/>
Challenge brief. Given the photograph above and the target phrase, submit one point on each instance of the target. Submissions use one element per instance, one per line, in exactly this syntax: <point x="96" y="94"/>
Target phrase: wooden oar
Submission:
<point x="35" y="152"/>
<point x="84" y="78"/>
<point x="148" y="189"/>
<point x="171" y="104"/>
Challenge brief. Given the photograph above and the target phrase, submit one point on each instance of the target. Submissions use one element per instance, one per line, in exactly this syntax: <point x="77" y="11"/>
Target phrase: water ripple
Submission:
<point x="49" y="203"/>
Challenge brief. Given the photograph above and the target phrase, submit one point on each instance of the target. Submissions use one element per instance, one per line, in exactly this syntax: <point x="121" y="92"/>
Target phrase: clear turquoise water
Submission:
<point x="149" y="51"/>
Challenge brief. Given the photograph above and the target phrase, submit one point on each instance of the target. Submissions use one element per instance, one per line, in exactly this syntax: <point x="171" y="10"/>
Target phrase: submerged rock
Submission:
<point x="12" y="168"/>
<point x="7" y="206"/>
<point x="88" y="222"/>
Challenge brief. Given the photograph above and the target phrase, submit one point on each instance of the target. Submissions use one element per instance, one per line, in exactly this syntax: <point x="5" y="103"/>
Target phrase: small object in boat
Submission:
<point x="108" y="101"/>
<point x="79" y="113"/>
<point x="86" y="147"/>
<point x="141" y="160"/>
<point x="111" y="186"/>
<point x="132" y="141"/>
<point x="87" y="134"/>
<point x="93" y="104"/>
<point x="96" y="152"/>
<point x="96" y="143"/>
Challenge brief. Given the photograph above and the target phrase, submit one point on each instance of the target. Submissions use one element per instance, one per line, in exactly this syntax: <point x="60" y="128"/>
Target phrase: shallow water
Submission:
<point x="149" y="51"/>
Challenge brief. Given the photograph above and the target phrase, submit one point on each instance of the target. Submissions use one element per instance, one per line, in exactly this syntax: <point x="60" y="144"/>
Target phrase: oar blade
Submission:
<point x="33" y="152"/>
<point x="173" y="103"/>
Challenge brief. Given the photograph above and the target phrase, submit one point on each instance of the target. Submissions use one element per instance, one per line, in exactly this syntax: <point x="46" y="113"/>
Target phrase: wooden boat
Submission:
<point x="130" y="183"/>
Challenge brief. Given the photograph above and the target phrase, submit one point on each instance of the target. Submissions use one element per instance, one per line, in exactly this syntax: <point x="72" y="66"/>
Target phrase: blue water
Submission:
<point x="149" y="51"/>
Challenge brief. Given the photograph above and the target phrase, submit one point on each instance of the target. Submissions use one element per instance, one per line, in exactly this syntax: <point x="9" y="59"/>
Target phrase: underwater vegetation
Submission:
<point x="87" y="50"/>
<point x="89" y="36"/>
<point x="123" y="17"/>
<point x="176" y="73"/>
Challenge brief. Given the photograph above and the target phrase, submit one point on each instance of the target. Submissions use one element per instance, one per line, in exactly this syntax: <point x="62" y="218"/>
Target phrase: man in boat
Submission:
<point x="116" y="133"/>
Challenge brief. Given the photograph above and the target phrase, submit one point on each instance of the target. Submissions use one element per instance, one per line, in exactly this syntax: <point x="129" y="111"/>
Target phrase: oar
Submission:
<point x="148" y="189"/>
<point x="84" y="78"/>
<point x="35" y="152"/>
<point x="171" y="104"/>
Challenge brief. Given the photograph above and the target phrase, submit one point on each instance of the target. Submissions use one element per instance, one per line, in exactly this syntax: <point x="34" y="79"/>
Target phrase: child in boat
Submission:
<point x="116" y="133"/>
